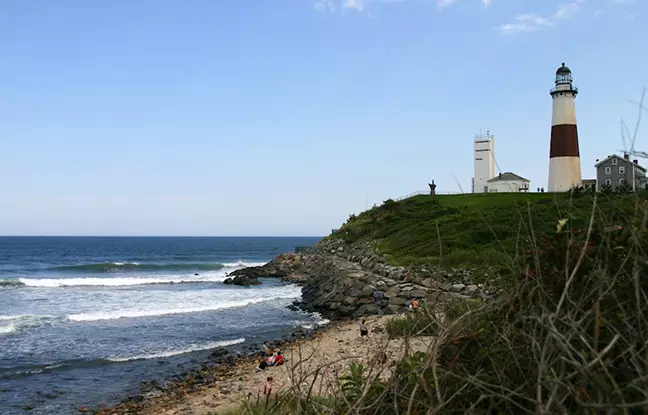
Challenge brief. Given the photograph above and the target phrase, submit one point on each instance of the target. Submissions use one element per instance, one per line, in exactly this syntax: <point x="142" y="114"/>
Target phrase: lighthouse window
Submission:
<point x="621" y="170"/>
<point x="614" y="161"/>
<point x="608" y="170"/>
<point x="621" y="181"/>
<point x="608" y="182"/>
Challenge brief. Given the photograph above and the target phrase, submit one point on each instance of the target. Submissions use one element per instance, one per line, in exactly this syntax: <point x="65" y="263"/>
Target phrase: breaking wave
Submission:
<point x="12" y="324"/>
<point x="116" y="282"/>
<point x="117" y="314"/>
<point x="193" y="348"/>
<point x="104" y="267"/>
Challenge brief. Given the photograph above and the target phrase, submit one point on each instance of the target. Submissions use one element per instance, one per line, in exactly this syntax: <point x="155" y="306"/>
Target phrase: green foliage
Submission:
<point x="412" y="324"/>
<point x="353" y="382"/>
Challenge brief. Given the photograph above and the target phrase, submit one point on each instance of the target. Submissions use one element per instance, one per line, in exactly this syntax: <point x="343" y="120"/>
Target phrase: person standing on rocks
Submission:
<point x="266" y="350"/>
<point x="363" y="330"/>
<point x="378" y="295"/>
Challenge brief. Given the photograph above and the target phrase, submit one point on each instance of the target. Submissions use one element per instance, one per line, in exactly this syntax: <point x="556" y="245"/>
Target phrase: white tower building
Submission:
<point x="564" y="156"/>
<point x="484" y="162"/>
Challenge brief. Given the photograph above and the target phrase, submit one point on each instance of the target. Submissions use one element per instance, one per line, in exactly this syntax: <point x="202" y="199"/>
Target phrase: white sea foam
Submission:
<point x="242" y="264"/>
<point x="287" y="293"/>
<point x="8" y="329"/>
<point x="192" y="348"/>
<point x="120" y="281"/>
<point x="11" y="324"/>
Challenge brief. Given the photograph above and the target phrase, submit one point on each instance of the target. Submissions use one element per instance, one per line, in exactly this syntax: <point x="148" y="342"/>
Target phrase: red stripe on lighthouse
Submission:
<point x="564" y="141"/>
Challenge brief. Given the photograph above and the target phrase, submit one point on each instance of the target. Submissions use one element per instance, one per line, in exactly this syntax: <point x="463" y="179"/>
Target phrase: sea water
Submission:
<point x="84" y="319"/>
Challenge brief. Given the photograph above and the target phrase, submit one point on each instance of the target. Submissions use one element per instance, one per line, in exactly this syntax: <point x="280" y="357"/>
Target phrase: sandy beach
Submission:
<point x="311" y="364"/>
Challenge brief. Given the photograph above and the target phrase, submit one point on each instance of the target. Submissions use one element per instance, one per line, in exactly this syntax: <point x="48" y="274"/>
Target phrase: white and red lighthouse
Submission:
<point x="564" y="156"/>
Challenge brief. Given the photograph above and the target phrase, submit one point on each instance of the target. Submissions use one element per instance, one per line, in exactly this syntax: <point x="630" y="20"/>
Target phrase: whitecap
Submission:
<point x="117" y="314"/>
<point x="119" y="281"/>
<point x="192" y="348"/>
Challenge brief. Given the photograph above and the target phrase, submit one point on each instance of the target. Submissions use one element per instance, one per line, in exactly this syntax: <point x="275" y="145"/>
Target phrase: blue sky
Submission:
<point x="282" y="117"/>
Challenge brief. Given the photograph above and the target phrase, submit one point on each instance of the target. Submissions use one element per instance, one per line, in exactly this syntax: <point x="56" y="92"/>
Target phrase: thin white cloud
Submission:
<point x="531" y="22"/>
<point x="445" y="3"/>
<point x="332" y="6"/>
<point x="357" y="5"/>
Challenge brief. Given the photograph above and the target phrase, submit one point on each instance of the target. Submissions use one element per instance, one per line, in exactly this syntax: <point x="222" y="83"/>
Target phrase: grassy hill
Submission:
<point x="477" y="229"/>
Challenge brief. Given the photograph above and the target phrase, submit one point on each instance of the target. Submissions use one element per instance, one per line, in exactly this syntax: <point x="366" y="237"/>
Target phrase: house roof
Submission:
<point x="619" y="158"/>
<point x="507" y="176"/>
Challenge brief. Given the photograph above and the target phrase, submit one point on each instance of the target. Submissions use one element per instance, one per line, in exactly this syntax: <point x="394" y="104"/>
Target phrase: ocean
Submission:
<point x="84" y="319"/>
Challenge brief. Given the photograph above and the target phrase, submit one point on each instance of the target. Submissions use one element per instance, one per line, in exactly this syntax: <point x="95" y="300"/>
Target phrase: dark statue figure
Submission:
<point x="432" y="188"/>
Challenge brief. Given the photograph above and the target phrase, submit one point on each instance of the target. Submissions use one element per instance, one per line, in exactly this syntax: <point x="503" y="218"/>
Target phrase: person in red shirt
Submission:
<point x="279" y="360"/>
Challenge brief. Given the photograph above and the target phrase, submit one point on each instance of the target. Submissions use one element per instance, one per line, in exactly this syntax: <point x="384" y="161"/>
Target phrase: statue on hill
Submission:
<point x="432" y="188"/>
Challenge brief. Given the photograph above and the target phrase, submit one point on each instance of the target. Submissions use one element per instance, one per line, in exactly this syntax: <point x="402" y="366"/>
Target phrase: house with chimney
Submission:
<point x="615" y="171"/>
<point x="507" y="182"/>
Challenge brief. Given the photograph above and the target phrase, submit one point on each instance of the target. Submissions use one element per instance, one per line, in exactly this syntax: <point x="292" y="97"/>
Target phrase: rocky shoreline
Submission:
<point x="218" y="370"/>
<point x="339" y="281"/>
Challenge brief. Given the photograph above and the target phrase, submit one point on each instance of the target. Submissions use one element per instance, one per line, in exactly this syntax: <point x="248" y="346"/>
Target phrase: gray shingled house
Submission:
<point x="615" y="171"/>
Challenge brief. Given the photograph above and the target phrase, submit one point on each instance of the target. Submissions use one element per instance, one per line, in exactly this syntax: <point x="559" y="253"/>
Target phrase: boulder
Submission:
<point x="242" y="280"/>
<point x="457" y="288"/>
<point x="399" y="301"/>
<point x="471" y="290"/>
<point x="395" y="309"/>
<point x="417" y="293"/>
<point x="367" y="309"/>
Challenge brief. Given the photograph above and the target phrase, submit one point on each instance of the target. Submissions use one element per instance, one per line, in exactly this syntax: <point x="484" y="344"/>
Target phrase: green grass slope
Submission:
<point x="476" y="229"/>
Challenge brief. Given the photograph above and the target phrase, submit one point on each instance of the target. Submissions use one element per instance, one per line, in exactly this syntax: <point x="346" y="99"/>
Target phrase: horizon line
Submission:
<point x="161" y="236"/>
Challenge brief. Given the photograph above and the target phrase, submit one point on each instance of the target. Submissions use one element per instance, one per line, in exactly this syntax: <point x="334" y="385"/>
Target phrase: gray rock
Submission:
<point x="432" y="298"/>
<point x="353" y="292"/>
<point x="395" y="309"/>
<point x="457" y="288"/>
<point x="349" y="300"/>
<point x="368" y="290"/>
<point x="400" y="301"/>
<point x="446" y="286"/>
<point x="417" y="293"/>
<point x="367" y="309"/>
<point x="430" y="283"/>
<point x="471" y="290"/>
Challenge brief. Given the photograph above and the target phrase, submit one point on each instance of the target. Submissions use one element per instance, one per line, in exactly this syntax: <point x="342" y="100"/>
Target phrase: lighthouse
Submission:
<point x="564" y="157"/>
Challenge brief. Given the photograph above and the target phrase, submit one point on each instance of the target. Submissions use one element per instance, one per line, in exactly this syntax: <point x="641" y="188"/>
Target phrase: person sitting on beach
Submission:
<point x="363" y="330"/>
<point x="278" y="360"/>
<point x="270" y="360"/>
<point x="262" y="365"/>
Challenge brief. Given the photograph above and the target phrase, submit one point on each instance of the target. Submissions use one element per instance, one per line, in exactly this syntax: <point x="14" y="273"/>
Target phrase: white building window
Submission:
<point x="614" y="161"/>
<point x="608" y="170"/>
<point x="621" y="170"/>
<point x="608" y="182"/>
